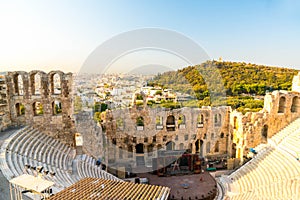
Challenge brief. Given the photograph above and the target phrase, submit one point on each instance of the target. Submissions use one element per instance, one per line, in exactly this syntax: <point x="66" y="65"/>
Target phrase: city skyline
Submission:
<point x="54" y="35"/>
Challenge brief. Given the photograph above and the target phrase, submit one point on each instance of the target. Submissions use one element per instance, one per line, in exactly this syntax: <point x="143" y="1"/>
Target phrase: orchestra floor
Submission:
<point x="198" y="186"/>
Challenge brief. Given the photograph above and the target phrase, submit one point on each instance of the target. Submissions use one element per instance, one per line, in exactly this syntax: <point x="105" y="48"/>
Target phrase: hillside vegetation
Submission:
<point x="212" y="81"/>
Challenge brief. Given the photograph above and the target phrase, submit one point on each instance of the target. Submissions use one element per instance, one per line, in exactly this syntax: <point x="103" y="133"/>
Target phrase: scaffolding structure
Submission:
<point x="36" y="187"/>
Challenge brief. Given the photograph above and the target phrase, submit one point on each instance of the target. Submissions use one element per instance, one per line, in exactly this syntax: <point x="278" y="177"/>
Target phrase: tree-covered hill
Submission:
<point x="236" y="79"/>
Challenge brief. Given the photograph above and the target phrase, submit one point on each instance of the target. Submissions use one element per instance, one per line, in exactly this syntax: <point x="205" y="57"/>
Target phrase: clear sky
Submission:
<point x="60" y="34"/>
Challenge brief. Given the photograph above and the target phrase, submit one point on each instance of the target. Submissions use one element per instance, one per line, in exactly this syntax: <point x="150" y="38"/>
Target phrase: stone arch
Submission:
<point x="282" y="102"/>
<point x="264" y="133"/>
<point x="55" y="82"/>
<point x="170" y="146"/>
<point x="56" y="107"/>
<point x="139" y="148"/>
<point x="20" y="109"/>
<point x="170" y="123"/>
<point x="295" y="105"/>
<point x="37" y="108"/>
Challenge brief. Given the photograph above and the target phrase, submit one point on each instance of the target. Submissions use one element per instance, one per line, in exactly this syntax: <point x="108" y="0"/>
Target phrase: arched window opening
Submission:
<point x="281" y="108"/>
<point x="216" y="118"/>
<point x="20" y="109"/>
<point x="208" y="147"/>
<point x="154" y="139"/>
<point x="37" y="108"/>
<point x="139" y="148"/>
<point x="159" y="147"/>
<point x="55" y="84"/>
<point x="170" y="146"/>
<point x="140" y="123"/>
<point x="264" y="133"/>
<point x="199" y="147"/>
<point x="37" y="84"/>
<point x="217" y="147"/>
<point x="159" y="122"/>
<point x="170" y="123"/>
<point x="114" y="141"/>
<point x="186" y="137"/>
<point x="181" y="146"/>
<point x="139" y="99"/>
<point x="212" y="135"/>
<point x="200" y="121"/>
<point x="56" y="107"/>
<point x="181" y="121"/>
<point x="295" y="105"/>
<point x="18" y="84"/>
<point x="235" y="124"/>
<point x="222" y="135"/>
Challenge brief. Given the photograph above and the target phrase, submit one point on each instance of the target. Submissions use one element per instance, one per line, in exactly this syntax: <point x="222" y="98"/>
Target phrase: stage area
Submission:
<point x="195" y="186"/>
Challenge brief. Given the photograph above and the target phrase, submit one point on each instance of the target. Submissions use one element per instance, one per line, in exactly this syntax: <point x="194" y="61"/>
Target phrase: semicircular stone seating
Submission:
<point x="30" y="147"/>
<point x="274" y="173"/>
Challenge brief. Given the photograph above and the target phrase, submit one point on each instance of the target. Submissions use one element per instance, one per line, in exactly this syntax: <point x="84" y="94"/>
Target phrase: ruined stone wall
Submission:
<point x="5" y="121"/>
<point x="252" y="129"/>
<point x="208" y="137"/>
<point x="32" y="98"/>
